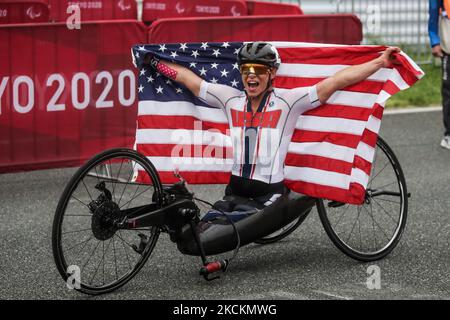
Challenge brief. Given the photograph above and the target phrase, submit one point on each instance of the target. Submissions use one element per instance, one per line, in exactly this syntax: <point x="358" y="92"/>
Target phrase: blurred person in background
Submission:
<point x="439" y="32"/>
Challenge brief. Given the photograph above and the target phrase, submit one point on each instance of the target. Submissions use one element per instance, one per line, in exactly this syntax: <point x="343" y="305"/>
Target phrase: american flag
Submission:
<point x="332" y="148"/>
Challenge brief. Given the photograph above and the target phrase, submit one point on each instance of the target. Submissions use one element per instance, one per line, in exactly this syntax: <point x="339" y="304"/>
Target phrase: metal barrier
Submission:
<point x="400" y="22"/>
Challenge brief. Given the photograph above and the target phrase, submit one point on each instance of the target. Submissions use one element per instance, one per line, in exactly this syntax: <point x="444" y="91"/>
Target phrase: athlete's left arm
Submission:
<point x="354" y="74"/>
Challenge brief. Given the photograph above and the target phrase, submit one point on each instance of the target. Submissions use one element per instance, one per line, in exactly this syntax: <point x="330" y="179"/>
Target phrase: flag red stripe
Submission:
<point x="355" y="194"/>
<point x="330" y="55"/>
<point x="362" y="164"/>
<point x="366" y="86"/>
<point x="318" y="162"/>
<point x="342" y="139"/>
<point x="204" y="177"/>
<point x="340" y="111"/>
<point x="178" y="122"/>
<point x="390" y="87"/>
<point x="370" y="138"/>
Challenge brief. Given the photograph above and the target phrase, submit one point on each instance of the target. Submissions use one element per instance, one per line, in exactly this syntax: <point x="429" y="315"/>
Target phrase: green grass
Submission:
<point x="425" y="92"/>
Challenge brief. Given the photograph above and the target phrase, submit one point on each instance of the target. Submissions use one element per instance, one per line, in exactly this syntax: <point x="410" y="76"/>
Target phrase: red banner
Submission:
<point x="93" y="9"/>
<point x="24" y="11"/>
<point x="158" y="9"/>
<point x="338" y="29"/>
<point x="66" y="94"/>
<point x="261" y="8"/>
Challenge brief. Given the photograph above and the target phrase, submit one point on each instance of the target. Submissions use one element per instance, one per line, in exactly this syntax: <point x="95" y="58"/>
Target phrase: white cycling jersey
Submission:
<point x="261" y="139"/>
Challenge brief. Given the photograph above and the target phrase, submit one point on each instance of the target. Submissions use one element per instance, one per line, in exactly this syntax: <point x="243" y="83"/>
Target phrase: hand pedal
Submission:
<point x="213" y="267"/>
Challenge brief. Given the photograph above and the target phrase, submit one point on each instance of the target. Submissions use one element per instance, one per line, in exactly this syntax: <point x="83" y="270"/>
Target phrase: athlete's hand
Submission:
<point x="437" y="51"/>
<point x="388" y="57"/>
<point x="151" y="60"/>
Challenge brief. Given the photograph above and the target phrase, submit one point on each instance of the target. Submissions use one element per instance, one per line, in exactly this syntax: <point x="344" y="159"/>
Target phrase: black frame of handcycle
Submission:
<point x="178" y="209"/>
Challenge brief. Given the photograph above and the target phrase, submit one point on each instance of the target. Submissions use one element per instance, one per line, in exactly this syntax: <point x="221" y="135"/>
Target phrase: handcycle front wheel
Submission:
<point x="370" y="231"/>
<point x="89" y="250"/>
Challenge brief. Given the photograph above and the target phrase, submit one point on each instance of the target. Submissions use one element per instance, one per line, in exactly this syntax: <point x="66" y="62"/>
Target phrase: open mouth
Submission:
<point x="252" y="84"/>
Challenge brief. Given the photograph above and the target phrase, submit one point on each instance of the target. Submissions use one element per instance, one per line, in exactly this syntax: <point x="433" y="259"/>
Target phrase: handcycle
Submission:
<point x="107" y="223"/>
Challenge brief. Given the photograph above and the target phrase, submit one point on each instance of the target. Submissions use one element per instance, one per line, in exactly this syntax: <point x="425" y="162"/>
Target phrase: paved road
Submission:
<point x="305" y="265"/>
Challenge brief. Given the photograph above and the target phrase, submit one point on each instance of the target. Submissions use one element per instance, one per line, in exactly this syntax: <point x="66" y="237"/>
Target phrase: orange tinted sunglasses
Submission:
<point x="258" y="69"/>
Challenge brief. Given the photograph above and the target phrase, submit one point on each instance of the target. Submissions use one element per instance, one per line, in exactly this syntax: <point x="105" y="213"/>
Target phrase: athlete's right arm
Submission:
<point x="178" y="73"/>
<point x="214" y="95"/>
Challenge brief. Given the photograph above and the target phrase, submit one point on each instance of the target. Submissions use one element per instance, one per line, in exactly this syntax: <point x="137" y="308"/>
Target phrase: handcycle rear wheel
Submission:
<point x="90" y="251"/>
<point x="370" y="231"/>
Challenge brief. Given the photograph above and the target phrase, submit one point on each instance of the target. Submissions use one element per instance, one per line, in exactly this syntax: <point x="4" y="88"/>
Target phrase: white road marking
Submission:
<point x="412" y="110"/>
<point x="288" y="295"/>
<point x="333" y="295"/>
<point x="270" y="295"/>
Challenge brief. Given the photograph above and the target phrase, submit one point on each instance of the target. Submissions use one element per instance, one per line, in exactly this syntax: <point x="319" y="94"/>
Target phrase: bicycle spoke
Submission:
<point x="373" y="226"/>
<point x="387" y="163"/>
<point x="384" y="211"/>
<point x="80" y="201"/>
<point x="124" y="248"/>
<point x="374" y="164"/>
<point x="112" y="182"/>
<point x="78" y="215"/>
<point x="96" y="174"/>
<point x="82" y="180"/>
<point x="354" y="224"/>
<point x="382" y="199"/>
<point x="134" y="194"/>
<point x="129" y="178"/>
<point x="386" y="185"/>
<point x="359" y="229"/>
<point x="342" y="215"/>
<point x="103" y="257"/>
<point x="92" y="253"/>
<point x="79" y="244"/>
<point x="379" y="227"/>
<point x="135" y="197"/>
<point x="81" y="230"/>
<point x="115" y="258"/>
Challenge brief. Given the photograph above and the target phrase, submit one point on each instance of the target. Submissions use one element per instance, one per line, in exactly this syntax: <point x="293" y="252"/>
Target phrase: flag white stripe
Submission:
<point x="323" y="149"/>
<point x="374" y="124"/>
<point x="305" y="70"/>
<point x="328" y="124"/>
<point x="181" y="108"/>
<point x="396" y="78"/>
<point x="365" y="151"/>
<point x="325" y="71"/>
<point x="191" y="164"/>
<point x="348" y="98"/>
<point x="287" y="44"/>
<point x="317" y="176"/>
<point x="360" y="177"/>
<point x="182" y="137"/>
<point x="382" y="98"/>
<point x="354" y="99"/>
<point x="327" y="178"/>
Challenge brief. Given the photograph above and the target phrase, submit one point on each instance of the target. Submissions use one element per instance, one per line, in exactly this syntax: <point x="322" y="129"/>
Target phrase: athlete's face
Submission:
<point x="255" y="78"/>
